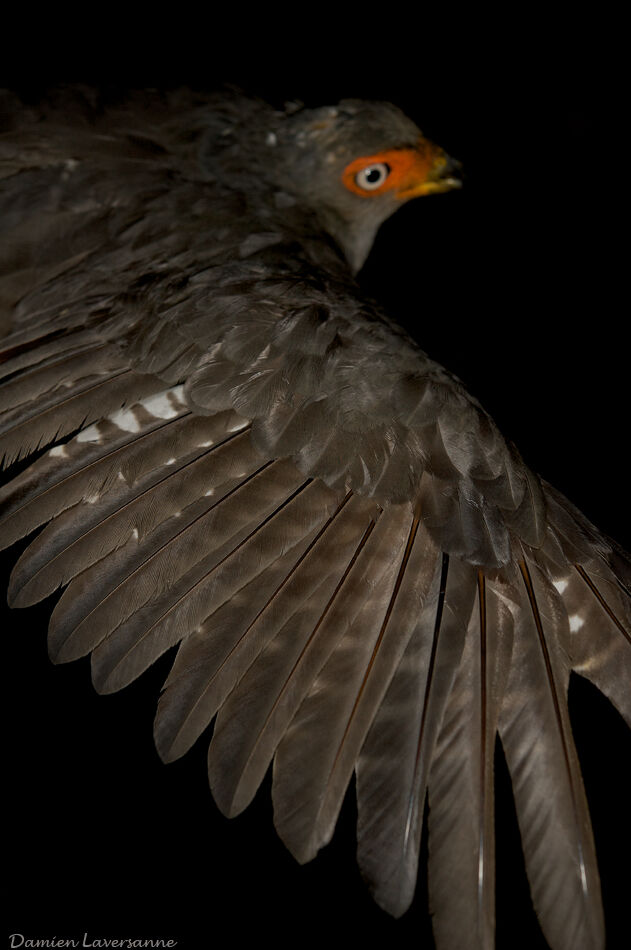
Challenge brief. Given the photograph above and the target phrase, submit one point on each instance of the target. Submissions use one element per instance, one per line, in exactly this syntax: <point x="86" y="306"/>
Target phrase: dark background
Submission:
<point x="518" y="284"/>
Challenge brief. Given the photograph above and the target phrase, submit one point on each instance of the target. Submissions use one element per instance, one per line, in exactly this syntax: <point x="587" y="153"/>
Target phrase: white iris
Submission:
<point x="372" y="176"/>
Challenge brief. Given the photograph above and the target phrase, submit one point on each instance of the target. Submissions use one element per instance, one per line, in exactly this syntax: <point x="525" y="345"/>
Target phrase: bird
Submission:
<point x="239" y="454"/>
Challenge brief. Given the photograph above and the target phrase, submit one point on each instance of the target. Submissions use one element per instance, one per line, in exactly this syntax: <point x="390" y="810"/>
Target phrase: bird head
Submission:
<point x="354" y="165"/>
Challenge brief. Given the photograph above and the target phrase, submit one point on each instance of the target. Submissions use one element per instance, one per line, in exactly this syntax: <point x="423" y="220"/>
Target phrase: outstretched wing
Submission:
<point x="239" y="454"/>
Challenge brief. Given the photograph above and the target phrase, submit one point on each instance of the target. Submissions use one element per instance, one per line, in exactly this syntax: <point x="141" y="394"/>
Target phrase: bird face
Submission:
<point x="356" y="163"/>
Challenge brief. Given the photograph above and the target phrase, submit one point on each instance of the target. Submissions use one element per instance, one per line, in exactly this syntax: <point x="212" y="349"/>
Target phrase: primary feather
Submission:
<point x="246" y="457"/>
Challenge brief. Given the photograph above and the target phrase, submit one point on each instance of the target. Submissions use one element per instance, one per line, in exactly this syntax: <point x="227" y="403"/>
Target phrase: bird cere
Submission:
<point x="238" y="454"/>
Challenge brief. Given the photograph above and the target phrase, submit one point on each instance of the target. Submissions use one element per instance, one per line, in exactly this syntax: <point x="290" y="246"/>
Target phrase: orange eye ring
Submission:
<point x="407" y="168"/>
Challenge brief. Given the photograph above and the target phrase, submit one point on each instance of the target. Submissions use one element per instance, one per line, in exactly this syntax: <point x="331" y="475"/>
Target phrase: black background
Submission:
<point x="518" y="284"/>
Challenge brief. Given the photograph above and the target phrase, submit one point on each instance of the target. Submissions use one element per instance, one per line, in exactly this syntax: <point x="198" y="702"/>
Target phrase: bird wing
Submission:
<point x="238" y="454"/>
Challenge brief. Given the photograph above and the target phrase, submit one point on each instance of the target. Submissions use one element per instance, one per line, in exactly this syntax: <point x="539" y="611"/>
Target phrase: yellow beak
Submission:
<point x="441" y="176"/>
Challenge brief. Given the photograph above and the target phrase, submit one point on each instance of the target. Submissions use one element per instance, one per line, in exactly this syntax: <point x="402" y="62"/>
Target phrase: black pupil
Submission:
<point x="373" y="175"/>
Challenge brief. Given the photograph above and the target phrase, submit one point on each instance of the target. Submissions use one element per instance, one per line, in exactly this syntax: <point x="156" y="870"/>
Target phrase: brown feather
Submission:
<point x="393" y="767"/>
<point x="461" y="806"/>
<point x="257" y="713"/>
<point x="316" y="757"/>
<point x="549" y="797"/>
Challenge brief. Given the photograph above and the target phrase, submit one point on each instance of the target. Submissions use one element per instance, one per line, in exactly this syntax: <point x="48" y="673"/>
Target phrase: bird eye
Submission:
<point x="372" y="176"/>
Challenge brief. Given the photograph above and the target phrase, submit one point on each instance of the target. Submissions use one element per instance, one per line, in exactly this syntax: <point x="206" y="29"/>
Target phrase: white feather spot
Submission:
<point x="205" y="445"/>
<point x="560" y="585"/>
<point x="69" y="166"/>
<point x="170" y="461"/>
<point x="164" y="405"/>
<point x="91" y="434"/>
<point x="126" y="419"/>
<point x="58" y="451"/>
<point x="134" y="534"/>
<point x="271" y="139"/>
<point x="576" y="622"/>
<point x="211" y="491"/>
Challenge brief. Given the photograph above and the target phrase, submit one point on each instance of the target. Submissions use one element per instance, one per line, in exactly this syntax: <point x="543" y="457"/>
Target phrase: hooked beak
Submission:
<point x="440" y="173"/>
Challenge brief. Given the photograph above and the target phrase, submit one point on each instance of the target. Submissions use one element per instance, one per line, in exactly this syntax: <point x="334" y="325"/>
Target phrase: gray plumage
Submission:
<point x="251" y="460"/>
